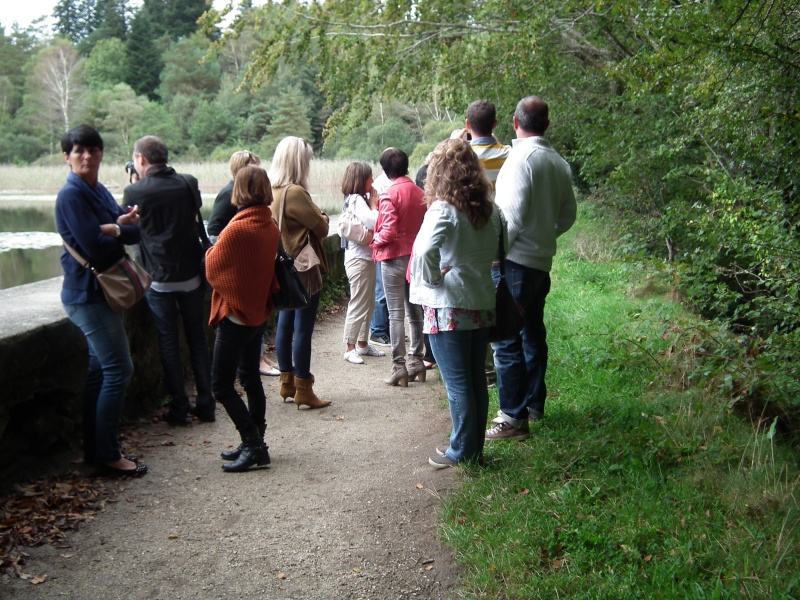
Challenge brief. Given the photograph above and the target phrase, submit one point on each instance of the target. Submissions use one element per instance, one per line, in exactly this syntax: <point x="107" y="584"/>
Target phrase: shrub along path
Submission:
<point x="347" y="509"/>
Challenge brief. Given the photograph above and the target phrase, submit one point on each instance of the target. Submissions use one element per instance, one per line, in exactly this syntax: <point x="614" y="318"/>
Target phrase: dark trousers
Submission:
<point x="168" y="308"/>
<point x="521" y="362"/>
<point x="238" y="348"/>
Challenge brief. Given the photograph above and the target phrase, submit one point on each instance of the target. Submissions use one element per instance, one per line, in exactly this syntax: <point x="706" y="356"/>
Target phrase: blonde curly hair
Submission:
<point x="455" y="175"/>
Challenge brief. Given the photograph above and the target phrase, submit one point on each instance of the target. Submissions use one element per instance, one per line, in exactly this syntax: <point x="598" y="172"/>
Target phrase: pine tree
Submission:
<point x="182" y="17"/>
<point x="290" y="118"/>
<point x="71" y="19"/>
<point x="144" y="55"/>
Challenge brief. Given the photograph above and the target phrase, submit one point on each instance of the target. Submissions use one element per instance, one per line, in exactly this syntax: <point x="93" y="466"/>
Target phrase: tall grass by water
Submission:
<point x="19" y="182"/>
<point x="637" y="484"/>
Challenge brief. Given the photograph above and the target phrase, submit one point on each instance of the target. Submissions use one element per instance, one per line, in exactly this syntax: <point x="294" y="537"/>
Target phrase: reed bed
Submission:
<point x="19" y="182"/>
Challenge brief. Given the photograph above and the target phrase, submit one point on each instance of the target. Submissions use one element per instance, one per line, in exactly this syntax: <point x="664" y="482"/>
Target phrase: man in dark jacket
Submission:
<point x="171" y="252"/>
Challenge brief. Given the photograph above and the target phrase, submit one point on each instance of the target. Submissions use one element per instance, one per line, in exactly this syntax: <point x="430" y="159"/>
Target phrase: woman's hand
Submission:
<point x="372" y="201"/>
<point x="130" y="218"/>
<point x="109" y="229"/>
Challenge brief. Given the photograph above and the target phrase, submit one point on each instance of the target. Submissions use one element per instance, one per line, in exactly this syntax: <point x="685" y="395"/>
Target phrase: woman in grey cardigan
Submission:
<point x="451" y="278"/>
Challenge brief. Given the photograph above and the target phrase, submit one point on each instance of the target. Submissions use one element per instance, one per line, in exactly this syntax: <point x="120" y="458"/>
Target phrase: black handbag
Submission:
<point x="509" y="315"/>
<point x="292" y="295"/>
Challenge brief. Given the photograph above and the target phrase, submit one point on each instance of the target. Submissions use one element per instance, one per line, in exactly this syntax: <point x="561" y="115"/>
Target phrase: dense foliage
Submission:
<point x="679" y="116"/>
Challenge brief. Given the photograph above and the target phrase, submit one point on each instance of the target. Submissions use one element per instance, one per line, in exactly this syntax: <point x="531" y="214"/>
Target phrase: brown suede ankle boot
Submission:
<point x="416" y="368"/>
<point x="305" y="394"/>
<point x="288" y="389"/>
<point x="399" y="375"/>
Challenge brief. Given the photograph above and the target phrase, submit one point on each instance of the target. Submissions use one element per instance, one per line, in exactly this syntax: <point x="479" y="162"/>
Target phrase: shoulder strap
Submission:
<point x="281" y="206"/>
<point x="198" y="199"/>
<point x="501" y="251"/>
<point x="81" y="261"/>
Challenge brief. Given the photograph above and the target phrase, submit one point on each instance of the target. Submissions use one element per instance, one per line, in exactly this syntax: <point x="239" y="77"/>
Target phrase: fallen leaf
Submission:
<point x="420" y="486"/>
<point x="281" y="575"/>
<point x="167" y="443"/>
<point x="39" y="579"/>
<point x="428" y="567"/>
<point x="173" y="537"/>
<point x="524" y="492"/>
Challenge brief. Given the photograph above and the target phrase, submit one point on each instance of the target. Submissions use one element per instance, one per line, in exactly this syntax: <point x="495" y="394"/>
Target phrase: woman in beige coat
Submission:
<point x="301" y="222"/>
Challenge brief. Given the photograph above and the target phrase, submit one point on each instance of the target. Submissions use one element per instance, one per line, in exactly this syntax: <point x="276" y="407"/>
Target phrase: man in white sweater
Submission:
<point x="534" y="190"/>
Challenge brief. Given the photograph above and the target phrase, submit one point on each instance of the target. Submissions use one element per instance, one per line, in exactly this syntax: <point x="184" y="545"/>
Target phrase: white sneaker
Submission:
<point x="352" y="356"/>
<point x="369" y="350"/>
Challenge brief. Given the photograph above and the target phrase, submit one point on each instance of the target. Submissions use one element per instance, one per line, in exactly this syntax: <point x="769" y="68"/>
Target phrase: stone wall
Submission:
<point x="43" y="361"/>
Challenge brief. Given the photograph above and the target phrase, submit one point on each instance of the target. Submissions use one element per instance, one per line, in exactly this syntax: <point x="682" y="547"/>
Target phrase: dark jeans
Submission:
<point x="293" y="338"/>
<point x="167" y="308"/>
<point x="460" y="356"/>
<point x="380" y="316"/>
<point x="238" y="348"/>
<point x="521" y="362"/>
<point x="108" y="377"/>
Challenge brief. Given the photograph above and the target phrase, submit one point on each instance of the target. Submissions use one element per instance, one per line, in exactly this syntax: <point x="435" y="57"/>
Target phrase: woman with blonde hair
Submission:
<point x="300" y="222"/>
<point x="240" y="268"/>
<point x="451" y="278"/>
<point x="224" y="210"/>
<point x="360" y="199"/>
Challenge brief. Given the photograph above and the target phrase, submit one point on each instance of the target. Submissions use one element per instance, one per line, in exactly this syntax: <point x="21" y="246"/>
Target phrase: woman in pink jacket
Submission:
<point x="400" y="214"/>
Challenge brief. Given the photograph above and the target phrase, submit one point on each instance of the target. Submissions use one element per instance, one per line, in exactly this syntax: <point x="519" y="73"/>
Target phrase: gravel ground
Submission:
<point x="346" y="510"/>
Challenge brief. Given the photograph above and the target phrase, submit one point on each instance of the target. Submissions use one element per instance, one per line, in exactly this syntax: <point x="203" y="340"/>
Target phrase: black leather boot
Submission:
<point x="231" y="454"/>
<point x="250" y="455"/>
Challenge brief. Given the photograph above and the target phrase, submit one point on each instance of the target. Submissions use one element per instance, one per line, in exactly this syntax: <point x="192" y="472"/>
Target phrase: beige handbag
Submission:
<point x="124" y="283"/>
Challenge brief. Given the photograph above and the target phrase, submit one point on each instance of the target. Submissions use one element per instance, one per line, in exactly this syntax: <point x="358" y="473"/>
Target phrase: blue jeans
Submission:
<point x="293" y="338"/>
<point x="461" y="356"/>
<point x="238" y="348"/>
<point x="380" y="317"/>
<point x="109" y="374"/>
<point x="521" y="362"/>
<point x="167" y="308"/>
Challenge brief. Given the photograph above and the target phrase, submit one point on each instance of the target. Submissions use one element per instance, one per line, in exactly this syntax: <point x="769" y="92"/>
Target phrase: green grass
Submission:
<point x="636" y="484"/>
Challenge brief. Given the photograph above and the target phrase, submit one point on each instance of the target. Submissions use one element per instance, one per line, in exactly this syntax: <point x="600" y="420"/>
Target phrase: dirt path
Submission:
<point x="347" y="510"/>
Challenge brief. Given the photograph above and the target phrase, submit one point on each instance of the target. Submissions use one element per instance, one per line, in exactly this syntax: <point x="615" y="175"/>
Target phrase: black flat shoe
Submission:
<point x="173" y="420"/>
<point x="231" y="454"/>
<point x="107" y="471"/>
<point x="133" y="459"/>
<point x="207" y="415"/>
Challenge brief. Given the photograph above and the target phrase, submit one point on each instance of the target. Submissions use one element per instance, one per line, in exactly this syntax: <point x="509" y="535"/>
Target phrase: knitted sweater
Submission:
<point x="241" y="267"/>
<point x="534" y="191"/>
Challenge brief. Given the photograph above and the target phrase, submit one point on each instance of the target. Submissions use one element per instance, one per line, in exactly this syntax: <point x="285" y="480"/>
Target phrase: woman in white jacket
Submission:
<point x="451" y="278"/>
<point x="361" y="199"/>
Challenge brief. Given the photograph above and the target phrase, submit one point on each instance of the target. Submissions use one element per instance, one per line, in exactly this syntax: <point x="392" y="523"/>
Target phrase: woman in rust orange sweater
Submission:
<point x="241" y="267"/>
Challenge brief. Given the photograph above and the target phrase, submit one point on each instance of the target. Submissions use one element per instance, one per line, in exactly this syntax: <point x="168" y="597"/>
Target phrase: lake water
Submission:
<point x="30" y="248"/>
